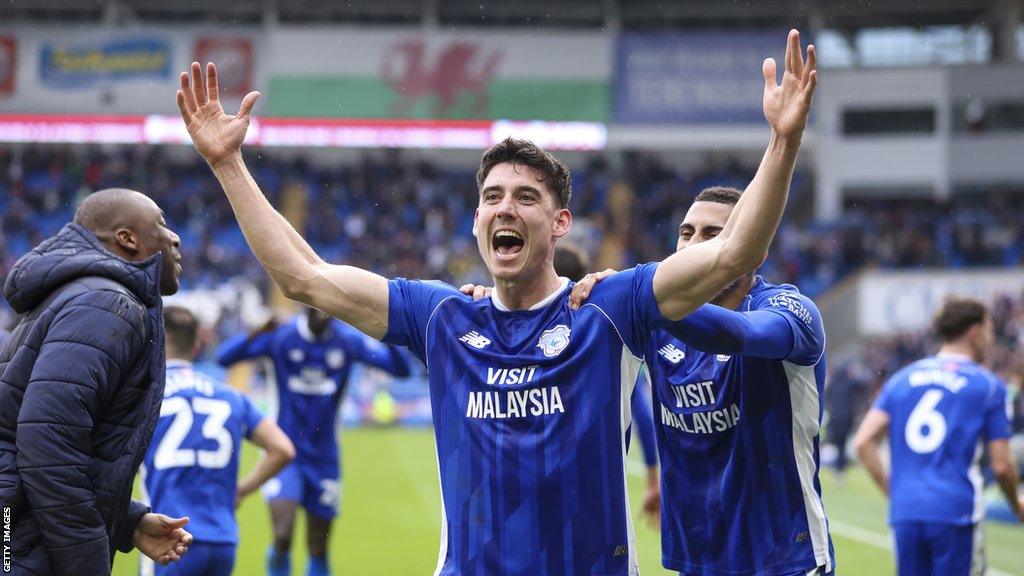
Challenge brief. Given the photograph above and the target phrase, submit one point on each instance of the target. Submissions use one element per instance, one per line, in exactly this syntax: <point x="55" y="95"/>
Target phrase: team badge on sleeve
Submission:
<point x="791" y="302"/>
<point x="553" y="341"/>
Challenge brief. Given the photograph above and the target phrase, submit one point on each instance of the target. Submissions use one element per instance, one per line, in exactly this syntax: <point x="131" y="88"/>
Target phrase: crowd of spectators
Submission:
<point x="855" y="380"/>
<point x="413" y="219"/>
<point x="971" y="230"/>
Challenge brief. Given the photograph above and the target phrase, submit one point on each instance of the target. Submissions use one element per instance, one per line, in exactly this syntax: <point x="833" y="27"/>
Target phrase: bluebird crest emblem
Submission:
<point x="554" y="340"/>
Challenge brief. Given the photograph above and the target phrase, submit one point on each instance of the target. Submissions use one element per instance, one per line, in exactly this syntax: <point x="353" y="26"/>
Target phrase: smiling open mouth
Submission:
<point x="507" y="243"/>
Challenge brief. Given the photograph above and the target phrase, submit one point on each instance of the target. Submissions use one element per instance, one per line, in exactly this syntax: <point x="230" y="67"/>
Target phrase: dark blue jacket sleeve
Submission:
<point x="244" y="347"/>
<point x="717" y="330"/>
<point x="91" y="342"/>
<point x="123" y="539"/>
<point x="643" y="422"/>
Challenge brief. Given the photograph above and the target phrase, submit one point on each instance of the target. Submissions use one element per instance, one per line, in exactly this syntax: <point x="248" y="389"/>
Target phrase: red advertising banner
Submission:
<point x="233" y="56"/>
<point x="8" y="64"/>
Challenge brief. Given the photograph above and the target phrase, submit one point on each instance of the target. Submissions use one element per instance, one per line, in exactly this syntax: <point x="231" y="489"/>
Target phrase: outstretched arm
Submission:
<point x="383" y="356"/>
<point x="693" y="276"/>
<point x="717" y="330"/>
<point x="357" y="296"/>
<point x="244" y="347"/>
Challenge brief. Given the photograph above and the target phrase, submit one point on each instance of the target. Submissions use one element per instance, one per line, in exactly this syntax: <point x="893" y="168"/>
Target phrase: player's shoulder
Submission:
<point x="433" y="292"/>
<point x="227" y="393"/>
<point x="765" y="295"/>
<point x="289" y="329"/>
<point x="188" y="381"/>
<point x="622" y="281"/>
<point x="982" y="375"/>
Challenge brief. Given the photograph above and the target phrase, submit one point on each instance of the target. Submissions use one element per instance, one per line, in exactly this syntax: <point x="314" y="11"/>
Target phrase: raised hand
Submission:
<point x="161" y="537"/>
<point x="215" y="134"/>
<point x="786" y="105"/>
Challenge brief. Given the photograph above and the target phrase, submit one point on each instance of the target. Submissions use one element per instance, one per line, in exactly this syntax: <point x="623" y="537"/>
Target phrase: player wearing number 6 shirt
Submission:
<point x="530" y="399"/>
<point x="192" y="464"/>
<point x="312" y="359"/>
<point x="938" y="412"/>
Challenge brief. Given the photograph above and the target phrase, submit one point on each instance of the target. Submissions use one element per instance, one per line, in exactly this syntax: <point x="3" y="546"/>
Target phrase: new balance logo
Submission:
<point x="672" y="354"/>
<point x="475" y="339"/>
<point x="620" y="551"/>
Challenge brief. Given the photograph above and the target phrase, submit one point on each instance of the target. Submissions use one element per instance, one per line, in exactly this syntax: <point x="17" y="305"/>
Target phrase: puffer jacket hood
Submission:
<point x="73" y="253"/>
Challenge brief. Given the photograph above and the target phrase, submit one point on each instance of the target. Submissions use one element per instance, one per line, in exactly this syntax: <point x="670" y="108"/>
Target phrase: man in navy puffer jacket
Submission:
<point x="81" y="382"/>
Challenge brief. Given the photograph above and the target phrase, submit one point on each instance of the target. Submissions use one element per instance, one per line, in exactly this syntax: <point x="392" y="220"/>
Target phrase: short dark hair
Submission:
<point x="181" y="328"/>
<point x="720" y="195"/>
<point x="958" y="315"/>
<point x="571" y="260"/>
<point x="512" y="150"/>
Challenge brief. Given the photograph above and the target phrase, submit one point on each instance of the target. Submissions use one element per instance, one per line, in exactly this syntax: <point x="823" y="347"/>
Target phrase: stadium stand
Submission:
<point x="404" y="217"/>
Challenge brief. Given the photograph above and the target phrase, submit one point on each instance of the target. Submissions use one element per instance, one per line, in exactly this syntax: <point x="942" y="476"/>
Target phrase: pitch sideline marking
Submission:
<point x="837" y="527"/>
<point x="872" y="538"/>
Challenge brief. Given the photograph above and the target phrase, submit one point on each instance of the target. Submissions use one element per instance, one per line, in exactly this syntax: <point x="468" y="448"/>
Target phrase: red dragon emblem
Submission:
<point x="460" y="68"/>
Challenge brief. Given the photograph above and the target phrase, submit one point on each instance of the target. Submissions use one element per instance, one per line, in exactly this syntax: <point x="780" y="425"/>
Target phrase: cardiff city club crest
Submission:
<point x="553" y="341"/>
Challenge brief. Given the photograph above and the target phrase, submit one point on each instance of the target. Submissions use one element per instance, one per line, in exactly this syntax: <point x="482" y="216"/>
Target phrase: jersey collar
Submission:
<point x="748" y="300"/>
<point x="563" y="283"/>
<point x="176" y="363"/>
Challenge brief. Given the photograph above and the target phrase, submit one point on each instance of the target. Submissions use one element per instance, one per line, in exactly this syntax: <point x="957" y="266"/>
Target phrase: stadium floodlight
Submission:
<point x="307" y="132"/>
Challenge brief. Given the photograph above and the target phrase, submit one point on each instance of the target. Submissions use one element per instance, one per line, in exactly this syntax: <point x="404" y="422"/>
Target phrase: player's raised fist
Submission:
<point x="216" y="135"/>
<point x="786" y="106"/>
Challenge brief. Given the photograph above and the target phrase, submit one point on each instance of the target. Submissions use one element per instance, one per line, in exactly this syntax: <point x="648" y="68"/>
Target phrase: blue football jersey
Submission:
<point x="191" y="467"/>
<point x="530" y="412"/>
<point x="738" y="446"/>
<point x="311" y="375"/>
<point x="941" y="409"/>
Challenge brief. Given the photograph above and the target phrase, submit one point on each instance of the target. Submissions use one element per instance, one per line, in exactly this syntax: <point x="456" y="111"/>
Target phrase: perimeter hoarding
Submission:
<point x="891" y="302"/>
<point x="694" y="77"/>
<point x="408" y="73"/>
<point x="116" y="70"/>
<point x="311" y="72"/>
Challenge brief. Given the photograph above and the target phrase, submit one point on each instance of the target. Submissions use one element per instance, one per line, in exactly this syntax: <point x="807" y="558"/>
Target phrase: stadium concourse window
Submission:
<point x="890" y="121"/>
<point x="1020" y="42"/>
<point x="976" y="116"/>
<point x="890" y="47"/>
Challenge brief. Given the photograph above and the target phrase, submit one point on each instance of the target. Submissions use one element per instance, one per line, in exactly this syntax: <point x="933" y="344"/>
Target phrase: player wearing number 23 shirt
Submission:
<point x="191" y="468"/>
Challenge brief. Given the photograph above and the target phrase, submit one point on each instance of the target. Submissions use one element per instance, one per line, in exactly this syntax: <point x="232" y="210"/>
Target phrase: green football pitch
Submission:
<point x="390" y="517"/>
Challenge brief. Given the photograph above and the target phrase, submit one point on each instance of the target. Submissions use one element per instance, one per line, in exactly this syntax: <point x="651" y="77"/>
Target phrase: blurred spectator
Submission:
<point x="845" y="399"/>
<point x="398" y="216"/>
